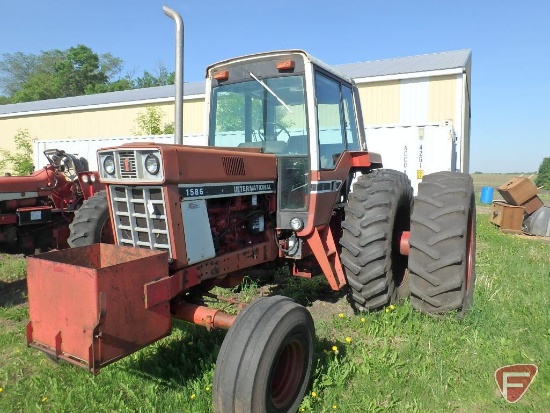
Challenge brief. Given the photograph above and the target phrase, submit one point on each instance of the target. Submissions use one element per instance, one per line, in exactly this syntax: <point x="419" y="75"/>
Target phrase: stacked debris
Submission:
<point x="522" y="209"/>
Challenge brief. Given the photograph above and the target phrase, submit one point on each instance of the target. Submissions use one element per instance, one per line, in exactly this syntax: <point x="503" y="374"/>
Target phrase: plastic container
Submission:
<point x="538" y="223"/>
<point x="487" y="195"/>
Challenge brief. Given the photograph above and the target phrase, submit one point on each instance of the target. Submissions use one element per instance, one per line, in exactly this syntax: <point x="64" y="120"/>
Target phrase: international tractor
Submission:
<point x="36" y="210"/>
<point x="286" y="180"/>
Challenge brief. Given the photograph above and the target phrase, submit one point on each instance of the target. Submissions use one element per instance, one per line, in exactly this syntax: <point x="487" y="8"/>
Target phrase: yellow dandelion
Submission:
<point x="387" y="310"/>
<point x="302" y="409"/>
<point x="341" y="315"/>
<point x="334" y="348"/>
<point x="1" y="389"/>
<point x="363" y="319"/>
<point x="348" y="339"/>
<point x="193" y="396"/>
<point x="392" y="307"/>
<point x="334" y="406"/>
<point x="207" y="389"/>
<point x="313" y="394"/>
<point x="44" y="399"/>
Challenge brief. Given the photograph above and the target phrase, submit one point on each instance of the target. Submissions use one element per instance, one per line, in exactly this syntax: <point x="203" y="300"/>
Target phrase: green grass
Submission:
<point x="396" y="360"/>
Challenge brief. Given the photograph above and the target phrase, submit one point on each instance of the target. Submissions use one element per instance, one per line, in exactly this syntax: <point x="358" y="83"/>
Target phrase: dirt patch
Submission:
<point x="533" y="237"/>
<point x="325" y="310"/>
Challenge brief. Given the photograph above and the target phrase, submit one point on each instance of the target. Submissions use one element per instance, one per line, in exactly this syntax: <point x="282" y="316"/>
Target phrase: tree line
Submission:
<point x="77" y="71"/>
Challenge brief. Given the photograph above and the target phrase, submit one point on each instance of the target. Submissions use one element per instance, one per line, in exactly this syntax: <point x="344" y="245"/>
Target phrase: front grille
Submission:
<point x="127" y="160"/>
<point x="140" y="217"/>
<point x="233" y="165"/>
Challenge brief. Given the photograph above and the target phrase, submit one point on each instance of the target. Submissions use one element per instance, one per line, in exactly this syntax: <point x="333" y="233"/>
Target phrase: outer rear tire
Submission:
<point x="378" y="211"/>
<point x="442" y="244"/>
<point x="264" y="364"/>
<point x="91" y="223"/>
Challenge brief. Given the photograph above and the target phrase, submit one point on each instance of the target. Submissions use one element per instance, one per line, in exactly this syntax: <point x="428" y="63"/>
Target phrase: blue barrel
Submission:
<point x="486" y="194"/>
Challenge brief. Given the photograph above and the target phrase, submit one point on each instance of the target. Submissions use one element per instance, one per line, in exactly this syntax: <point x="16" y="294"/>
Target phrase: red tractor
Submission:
<point x="286" y="180"/>
<point x="36" y="210"/>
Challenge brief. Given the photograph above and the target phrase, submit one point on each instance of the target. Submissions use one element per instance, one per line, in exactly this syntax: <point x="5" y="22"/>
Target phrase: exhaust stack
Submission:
<point x="178" y="128"/>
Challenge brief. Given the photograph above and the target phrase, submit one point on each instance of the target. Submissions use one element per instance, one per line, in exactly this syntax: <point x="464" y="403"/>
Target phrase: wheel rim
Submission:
<point x="287" y="373"/>
<point x="399" y="261"/>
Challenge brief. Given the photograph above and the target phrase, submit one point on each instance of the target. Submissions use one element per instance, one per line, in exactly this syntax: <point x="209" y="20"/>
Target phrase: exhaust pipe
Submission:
<point x="178" y="127"/>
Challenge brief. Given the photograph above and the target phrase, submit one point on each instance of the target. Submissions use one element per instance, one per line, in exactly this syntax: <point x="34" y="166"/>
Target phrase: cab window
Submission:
<point x="337" y="130"/>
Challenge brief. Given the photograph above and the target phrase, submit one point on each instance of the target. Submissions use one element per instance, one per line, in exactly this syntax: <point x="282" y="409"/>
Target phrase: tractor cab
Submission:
<point x="294" y="106"/>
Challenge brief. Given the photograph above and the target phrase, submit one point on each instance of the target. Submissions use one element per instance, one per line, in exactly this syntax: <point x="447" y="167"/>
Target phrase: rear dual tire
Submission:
<point x="378" y="211"/>
<point x="442" y="244"/>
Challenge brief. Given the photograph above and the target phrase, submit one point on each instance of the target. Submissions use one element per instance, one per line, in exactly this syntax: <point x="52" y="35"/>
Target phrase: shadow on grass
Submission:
<point x="188" y="354"/>
<point x="305" y="292"/>
<point x="302" y="290"/>
<point x="193" y="357"/>
<point x="13" y="293"/>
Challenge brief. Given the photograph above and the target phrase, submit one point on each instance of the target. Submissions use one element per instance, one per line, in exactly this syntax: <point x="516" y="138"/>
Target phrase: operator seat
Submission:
<point x="297" y="145"/>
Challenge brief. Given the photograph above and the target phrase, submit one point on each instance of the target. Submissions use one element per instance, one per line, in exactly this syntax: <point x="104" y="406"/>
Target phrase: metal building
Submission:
<point x="404" y="99"/>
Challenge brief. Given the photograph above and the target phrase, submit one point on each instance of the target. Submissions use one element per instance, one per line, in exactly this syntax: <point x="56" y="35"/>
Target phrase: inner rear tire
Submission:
<point x="264" y="364"/>
<point x="91" y="223"/>
<point x="443" y="244"/>
<point x="378" y="211"/>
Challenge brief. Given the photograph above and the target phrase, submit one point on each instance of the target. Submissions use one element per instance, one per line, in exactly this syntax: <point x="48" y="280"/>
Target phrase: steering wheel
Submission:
<point x="276" y="125"/>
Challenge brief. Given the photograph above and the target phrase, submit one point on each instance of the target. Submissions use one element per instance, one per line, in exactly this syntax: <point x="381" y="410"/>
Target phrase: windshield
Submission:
<point x="267" y="113"/>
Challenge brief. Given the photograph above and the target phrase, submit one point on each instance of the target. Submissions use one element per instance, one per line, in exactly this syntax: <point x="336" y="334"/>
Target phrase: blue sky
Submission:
<point x="510" y="42"/>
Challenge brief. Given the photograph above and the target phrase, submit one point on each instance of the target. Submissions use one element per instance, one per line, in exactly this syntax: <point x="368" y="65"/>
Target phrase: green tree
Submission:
<point x="55" y="73"/>
<point x="21" y="160"/>
<point x="78" y="72"/>
<point x="150" y="122"/>
<point x="543" y="177"/>
<point x="149" y="80"/>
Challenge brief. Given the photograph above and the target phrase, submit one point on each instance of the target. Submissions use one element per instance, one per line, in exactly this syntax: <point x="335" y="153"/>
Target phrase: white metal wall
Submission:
<point x="415" y="150"/>
<point x="87" y="148"/>
<point x="415" y="101"/>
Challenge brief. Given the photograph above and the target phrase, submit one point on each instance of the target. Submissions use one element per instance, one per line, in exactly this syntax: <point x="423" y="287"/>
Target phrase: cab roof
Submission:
<point x="259" y="56"/>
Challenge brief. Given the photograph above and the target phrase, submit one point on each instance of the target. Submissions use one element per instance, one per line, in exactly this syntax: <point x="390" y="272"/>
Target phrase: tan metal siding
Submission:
<point x="443" y="99"/>
<point x="193" y="116"/>
<point x="380" y="102"/>
<point x="96" y="123"/>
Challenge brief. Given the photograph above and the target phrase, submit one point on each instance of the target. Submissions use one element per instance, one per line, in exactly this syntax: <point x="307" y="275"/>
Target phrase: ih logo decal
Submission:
<point x="513" y="381"/>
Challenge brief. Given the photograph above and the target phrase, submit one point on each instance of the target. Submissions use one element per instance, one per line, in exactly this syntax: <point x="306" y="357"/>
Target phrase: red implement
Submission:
<point x="87" y="304"/>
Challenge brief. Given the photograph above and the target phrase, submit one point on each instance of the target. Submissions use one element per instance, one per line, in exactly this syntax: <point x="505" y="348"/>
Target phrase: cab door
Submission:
<point x="336" y="136"/>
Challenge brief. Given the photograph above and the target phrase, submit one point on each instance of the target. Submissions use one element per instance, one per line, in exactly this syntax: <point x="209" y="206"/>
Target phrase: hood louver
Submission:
<point x="233" y="165"/>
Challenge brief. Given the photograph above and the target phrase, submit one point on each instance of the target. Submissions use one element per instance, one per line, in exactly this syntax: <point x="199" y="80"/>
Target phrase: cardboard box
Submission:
<point x="518" y="191"/>
<point x="506" y="216"/>
<point x="532" y="205"/>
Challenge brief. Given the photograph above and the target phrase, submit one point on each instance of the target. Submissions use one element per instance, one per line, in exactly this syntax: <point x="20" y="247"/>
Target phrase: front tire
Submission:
<point x="442" y="244"/>
<point x="265" y="361"/>
<point x="91" y="223"/>
<point x="378" y="211"/>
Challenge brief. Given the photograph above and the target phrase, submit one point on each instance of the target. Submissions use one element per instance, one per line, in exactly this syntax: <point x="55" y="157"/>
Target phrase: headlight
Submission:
<point x="152" y="164"/>
<point x="85" y="179"/>
<point x="296" y="224"/>
<point x="109" y="165"/>
<point x="92" y="178"/>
